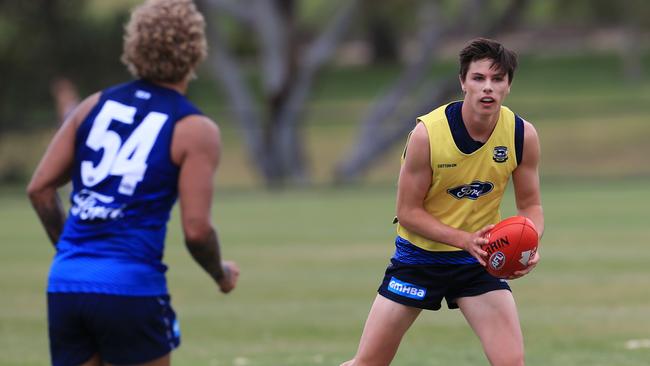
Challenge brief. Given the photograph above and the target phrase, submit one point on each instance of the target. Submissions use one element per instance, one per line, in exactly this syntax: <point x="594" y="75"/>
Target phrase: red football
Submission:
<point x="512" y="243"/>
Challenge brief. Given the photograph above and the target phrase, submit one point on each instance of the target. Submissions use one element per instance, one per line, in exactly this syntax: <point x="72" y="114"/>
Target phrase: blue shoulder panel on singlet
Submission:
<point x="519" y="138"/>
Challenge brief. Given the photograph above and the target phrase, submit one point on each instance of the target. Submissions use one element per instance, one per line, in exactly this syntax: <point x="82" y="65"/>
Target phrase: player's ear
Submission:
<point x="462" y="83"/>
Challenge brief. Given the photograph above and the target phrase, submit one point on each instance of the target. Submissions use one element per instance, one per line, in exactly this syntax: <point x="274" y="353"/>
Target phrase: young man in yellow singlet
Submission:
<point x="455" y="169"/>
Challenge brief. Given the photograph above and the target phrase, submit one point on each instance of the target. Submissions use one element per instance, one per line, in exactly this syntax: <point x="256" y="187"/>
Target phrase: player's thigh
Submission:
<point x="134" y="330"/>
<point x="384" y="329"/>
<point x="493" y="317"/>
<point x="70" y="341"/>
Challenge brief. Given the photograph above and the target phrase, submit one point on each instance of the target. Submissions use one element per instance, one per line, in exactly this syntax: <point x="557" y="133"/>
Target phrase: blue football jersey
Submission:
<point x="124" y="187"/>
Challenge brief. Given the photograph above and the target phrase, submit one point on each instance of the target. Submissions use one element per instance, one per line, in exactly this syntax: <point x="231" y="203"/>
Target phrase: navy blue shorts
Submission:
<point x="121" y="329"/>
<point x="424" y="286"/>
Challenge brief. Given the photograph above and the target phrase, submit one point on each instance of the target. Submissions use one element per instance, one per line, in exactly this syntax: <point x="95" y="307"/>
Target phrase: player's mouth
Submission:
<point x="487" y="101"/>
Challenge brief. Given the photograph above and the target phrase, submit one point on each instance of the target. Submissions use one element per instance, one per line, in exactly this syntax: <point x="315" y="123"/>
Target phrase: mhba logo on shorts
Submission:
<point x="406" y="289"/>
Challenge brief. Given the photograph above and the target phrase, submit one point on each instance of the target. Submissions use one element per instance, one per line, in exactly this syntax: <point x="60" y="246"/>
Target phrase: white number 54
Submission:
<point x="128" y="160"/>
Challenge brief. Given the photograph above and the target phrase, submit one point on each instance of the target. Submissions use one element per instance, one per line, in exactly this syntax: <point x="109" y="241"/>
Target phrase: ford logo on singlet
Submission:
<point x="471" y="191"/>
<point x="90" y="205"/>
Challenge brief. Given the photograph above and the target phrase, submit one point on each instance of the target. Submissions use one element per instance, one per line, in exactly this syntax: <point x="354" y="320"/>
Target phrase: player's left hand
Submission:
<point x="231" y="275"/>
<point x="531" y="265"/>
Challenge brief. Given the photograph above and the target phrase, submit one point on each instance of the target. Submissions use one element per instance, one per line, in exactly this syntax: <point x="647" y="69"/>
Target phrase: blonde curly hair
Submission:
<point x="164" y="40"/>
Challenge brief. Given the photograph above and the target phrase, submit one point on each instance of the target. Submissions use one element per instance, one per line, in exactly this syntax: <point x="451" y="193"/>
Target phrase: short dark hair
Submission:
<point x="483" y="48"/>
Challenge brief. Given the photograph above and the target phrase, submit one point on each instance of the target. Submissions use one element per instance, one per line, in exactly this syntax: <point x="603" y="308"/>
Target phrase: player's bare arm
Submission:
<point x="196" y="149"/>
<point x="414" y="182"/>
<point x="53" y="171"/>
<point x="526" y="185"/>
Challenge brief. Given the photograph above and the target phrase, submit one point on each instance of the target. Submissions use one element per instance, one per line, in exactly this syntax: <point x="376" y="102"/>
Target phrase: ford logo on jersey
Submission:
<point x="472" y="191"/>
<point x="90" y="205"/>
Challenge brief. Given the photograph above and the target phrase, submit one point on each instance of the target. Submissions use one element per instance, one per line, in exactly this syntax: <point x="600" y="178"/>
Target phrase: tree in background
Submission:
<point x="45" y="44"/>
<point x="630" y="15"/>
<point x="288" y="66"/>
<point x="51" y="48"/>
<point x="388" y="121"/>
<point x="48" y="50"/>
<point x="380" y="21"/>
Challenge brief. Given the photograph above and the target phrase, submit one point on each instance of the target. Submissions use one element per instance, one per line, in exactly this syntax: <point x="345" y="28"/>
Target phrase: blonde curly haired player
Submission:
<point x="130" y="151"/>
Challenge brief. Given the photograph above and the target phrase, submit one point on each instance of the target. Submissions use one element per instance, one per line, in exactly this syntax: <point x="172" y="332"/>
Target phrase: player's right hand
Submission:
<point x="230" y="276"/>
<point x="532" y="263"/>
<point x="474" y="242"/>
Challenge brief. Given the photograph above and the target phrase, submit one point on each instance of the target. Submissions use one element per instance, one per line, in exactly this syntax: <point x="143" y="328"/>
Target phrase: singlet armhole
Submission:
<point x="519" y="138"/>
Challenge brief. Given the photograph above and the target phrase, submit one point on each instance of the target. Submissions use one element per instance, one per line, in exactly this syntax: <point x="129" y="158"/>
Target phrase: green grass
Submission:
<point x="312" y="259"/>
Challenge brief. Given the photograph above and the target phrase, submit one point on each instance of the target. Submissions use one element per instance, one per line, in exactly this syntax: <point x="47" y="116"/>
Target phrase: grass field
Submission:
<point x="311" y="261"/>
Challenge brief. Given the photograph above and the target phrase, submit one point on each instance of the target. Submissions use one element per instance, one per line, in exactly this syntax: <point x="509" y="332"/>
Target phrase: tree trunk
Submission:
<point x="275" y="143"/>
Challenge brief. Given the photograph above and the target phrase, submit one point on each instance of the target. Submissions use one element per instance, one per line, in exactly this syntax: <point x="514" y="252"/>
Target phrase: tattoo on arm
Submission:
<point x="50" y="212"/>
<point x="208" y="255"/>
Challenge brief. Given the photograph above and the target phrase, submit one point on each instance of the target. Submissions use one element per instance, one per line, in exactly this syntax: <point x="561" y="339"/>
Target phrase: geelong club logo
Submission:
<point x="500" y="154"/>
<point x="471" y="191"/>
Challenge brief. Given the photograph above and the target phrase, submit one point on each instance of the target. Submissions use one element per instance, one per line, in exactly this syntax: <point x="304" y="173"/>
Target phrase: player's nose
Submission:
<point x="487" y="87"/>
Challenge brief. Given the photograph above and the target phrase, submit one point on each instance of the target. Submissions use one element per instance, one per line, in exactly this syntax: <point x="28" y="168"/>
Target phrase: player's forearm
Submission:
<point x="536" y="214"/>
<point x="422" y="223"/>
<point x="206" y="252"/>
<point x="49" y="209"/>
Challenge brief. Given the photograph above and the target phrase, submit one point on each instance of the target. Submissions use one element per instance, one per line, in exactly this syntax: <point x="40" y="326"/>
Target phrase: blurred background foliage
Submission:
<point x="583" y="79"/>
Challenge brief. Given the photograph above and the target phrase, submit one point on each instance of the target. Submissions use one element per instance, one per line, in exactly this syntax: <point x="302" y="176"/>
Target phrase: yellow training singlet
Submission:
<point x="466" y="189"/>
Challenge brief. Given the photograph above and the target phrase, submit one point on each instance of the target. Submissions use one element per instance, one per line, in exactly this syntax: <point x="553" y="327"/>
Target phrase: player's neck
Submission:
<point x="478" y="125"/>
<point x="180" y="86"/>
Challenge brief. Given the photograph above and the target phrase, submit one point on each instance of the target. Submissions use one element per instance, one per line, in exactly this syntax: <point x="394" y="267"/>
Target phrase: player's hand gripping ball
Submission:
<point x="512" y="243"/>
